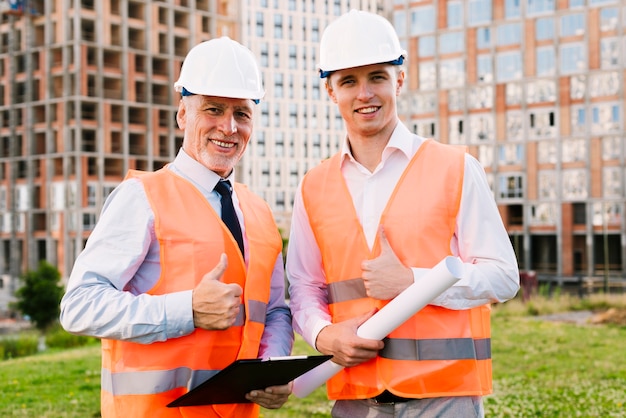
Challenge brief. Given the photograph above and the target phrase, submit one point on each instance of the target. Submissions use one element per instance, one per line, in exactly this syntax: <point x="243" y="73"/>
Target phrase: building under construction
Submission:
<point x="535" y="88"/>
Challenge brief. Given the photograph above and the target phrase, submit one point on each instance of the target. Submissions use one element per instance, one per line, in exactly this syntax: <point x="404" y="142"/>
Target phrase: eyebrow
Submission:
<point x="222" y="106"/>
<point x="369" y="74"/>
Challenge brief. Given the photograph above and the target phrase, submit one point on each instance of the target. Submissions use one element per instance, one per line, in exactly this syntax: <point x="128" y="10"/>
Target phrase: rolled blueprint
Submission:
<point x="426" y="288"/>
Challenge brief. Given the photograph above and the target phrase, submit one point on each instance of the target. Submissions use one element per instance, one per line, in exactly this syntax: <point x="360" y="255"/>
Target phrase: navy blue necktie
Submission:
<point x="229" y="216"/>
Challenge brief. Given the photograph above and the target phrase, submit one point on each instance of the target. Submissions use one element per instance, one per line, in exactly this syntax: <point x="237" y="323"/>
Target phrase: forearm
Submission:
<point x="100" y="310"/>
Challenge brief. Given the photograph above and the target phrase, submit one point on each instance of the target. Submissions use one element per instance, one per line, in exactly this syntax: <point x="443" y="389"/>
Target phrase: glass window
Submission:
<point x="424" y="128"/>
<point x="451" y="42"/>
<point x="480" y="97"/>
<point x="511" y="9"/>
<point x="485" y="156"/>
<point x="456" y="100"/>
<point x="576" y="3"/>
<point x="426" y="46"/>
<point x="509" y="34"/>
<point x="479" y="12"/>
<point x="92" y="198"/>
<point x="278" y="26"/>
<point x="484" y="68"/>
<point x="425" y="102"/>
<point x="513" y="93"/>
<point x="455" y="14"/>
<point x="452" y="73"/>
<point x="456" y="130"/>
<point x="264" y="54"/>
<point x="609" y="18"/>
<point x="604" y="84"/>
<point x="483" y="38"/>
<point x="547" y="184"/>
<point x="510" y="154"/>
<point x="579" y="120"/>
<point x="315" y="30"/>
<point x="573" y="58"/>
<point x="259" y="144"/>
<point x="612" y="182"/>
<point x="605" y="213"/>
<point x="481" y="128"/>
<point x="574" y="184"/>
<point x="572" y="25"/>
<point x="509" y="66"/>
<point x="546" y="61"/>
<point x="596" y="2"/>
<point x="428" y="76"/>
<point x="278" y="85"/>
<point x="541" y="91"/>
<point x="534" y="7"/>
<point x="544" y="28"/>
<point x="293" y="57"/>
<point x="422" y="20"/>
<point x="514" y="126"/>
<point x="259" y="24"/>
<point x="577" y="87"/>
<point x="510" y="186"/>
<point x="612" y="148"/>
<point x="543" y="214"/>
<point x="399" y="23"/>
<point x="574" y="150"/>
<point x="293" y="115"/>
<point x="605" y="117"/>
<point x="547" y="152"/>
<point x="541" y="123"/>
<point x="609" y="53"/>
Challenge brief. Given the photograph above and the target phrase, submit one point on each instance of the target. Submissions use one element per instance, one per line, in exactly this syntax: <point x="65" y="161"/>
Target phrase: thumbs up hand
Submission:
<point x="385" y="276"/>
<point x="216" y="304"/>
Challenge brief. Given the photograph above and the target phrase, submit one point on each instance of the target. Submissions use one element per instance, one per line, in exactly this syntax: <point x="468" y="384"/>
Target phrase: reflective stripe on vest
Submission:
<point x="437" y="349"/>
<point x="437" y="352"/>
<point x="141" y="379"/>
<point x="408" y="349"/>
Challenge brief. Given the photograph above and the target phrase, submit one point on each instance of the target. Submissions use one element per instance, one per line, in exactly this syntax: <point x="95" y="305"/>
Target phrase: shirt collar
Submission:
<point x="196" y="172"/>
<point x="401" y="139"/>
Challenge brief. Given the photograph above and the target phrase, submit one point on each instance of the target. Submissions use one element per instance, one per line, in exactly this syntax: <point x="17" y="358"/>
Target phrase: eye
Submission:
<point x="346" y="82"/>
<point x="212" y="110"/>
<point x="243" y="115"/>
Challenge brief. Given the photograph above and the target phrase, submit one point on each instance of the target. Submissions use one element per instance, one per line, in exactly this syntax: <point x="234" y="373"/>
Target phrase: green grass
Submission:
<point x="540" y="368"/>
<point x="62" y="383"/>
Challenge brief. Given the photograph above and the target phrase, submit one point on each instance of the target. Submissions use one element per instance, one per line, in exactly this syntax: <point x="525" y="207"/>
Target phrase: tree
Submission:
<point x="40" y="296"/>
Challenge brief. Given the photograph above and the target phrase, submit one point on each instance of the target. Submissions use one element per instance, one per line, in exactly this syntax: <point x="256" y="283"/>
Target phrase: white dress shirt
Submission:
<point x="480" y="239"/>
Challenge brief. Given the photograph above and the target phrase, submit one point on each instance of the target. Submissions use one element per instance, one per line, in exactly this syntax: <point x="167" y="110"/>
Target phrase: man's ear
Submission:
<point x="180" y="115"/>
<point x="399" y="82"/>
<point x="330" y="91"/>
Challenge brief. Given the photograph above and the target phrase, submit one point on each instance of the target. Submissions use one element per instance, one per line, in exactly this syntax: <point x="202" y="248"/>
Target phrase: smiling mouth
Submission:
<point x="222" y="143"/>
<point x="367" y="110"/>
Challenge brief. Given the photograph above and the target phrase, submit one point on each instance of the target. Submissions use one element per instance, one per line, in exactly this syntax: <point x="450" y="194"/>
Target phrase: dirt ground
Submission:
<point x="615" y="316"/>
<point x="610" y="316"/>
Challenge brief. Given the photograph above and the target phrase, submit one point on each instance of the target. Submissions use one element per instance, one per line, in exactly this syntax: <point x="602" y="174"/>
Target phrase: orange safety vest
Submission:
<point x="139" y="380"/>
<point x="437" y="352"/>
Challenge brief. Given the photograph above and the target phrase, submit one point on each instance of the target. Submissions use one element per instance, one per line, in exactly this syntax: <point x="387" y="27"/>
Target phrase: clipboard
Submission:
<point x="231" y="384"/>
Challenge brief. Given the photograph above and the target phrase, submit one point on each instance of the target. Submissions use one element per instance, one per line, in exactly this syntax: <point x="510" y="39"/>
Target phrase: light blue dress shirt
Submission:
<point x="105" y="294"/>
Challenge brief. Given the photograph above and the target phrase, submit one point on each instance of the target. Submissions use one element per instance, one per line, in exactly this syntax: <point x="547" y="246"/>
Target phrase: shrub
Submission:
<point x="57" y="337"/>
<point x="21" y="346"/>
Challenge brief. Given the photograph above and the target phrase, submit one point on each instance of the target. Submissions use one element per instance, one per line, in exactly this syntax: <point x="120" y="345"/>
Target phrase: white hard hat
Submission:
<point x="358" y="38"/>
<point x="220" y="67"/>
